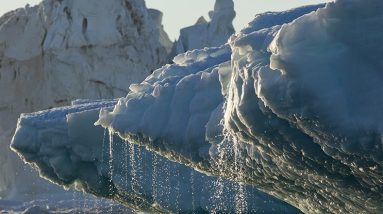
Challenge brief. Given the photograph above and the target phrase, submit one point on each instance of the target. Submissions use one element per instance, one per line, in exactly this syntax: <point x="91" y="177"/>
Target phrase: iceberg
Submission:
<point x="63" y="51"/>
<point x="58" y="51"/>
<point x="290" y="106"/>
<point x="67" y="149"/>
<point x="212" y="33"/>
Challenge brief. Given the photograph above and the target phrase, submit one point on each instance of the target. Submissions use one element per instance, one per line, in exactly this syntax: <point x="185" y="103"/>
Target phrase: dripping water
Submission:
<point x="102" y="161"/>
<point x="219" y="185"/>
<point x="126" y="165"/>
<point x="177" y="178"/>
<point x="167" y="185"/>
<point x="154" y="177"/>
<point x="240" y="197"/>
<point x="192" y="181"/>
<point x="161" y="182"/>
<point x="103" y="146"/>
<point x="132" y="167"/>
<point x="111" y="168"/>
<point x="139" y="170"/>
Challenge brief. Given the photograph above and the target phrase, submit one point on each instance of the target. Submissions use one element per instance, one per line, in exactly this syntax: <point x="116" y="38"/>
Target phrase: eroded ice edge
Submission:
<point x="293" y="110"/>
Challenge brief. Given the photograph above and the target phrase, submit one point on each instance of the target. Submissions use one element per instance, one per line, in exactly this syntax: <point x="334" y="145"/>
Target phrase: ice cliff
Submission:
<point x="58" y="51"/>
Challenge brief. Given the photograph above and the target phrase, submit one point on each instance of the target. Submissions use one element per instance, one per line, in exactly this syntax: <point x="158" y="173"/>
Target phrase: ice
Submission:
<point x="212" y="33"/>
<point x="63" y="203"/>
<point x="300" y="112"/>
<point x="58" y="51"/>
<point x="291" y="106"/>
<point x="66" y="148"/>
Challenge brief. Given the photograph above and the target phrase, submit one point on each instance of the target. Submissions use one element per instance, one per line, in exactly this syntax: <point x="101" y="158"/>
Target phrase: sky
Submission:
<point x="182" y="13"/>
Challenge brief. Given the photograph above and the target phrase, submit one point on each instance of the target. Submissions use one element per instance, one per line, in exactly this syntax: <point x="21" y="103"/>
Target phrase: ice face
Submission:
<point x="292" y="109"/>
<point x="69" y="150"/>
<point x="64" y="51"/>
<point x="58" y="51"/>
<point x="300" y="112"/>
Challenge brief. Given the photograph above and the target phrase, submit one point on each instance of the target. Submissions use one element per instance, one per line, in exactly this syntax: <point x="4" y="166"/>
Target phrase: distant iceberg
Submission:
<point x="291" y="109"/>
<point x="212" y="33"/>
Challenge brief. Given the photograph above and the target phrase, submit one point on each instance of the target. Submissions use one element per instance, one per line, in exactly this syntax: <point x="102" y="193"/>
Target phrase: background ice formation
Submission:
<point x="212" y="33"/>
<point x="58" y="51"/>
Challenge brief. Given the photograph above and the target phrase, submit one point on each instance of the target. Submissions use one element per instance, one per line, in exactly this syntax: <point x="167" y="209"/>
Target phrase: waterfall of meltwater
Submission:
<point x="192" y="181"/>
<point x="111" y="167"/>
<point x="218" y="185"/>
<point x="126" y="165"/>
<point x="240" y="197"/>
<point x="154" y="179"/>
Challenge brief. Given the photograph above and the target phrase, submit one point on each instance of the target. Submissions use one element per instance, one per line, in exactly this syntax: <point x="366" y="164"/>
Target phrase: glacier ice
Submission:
<point x="291" y="106"/>
<point x="45" y="139"/>
<point x="300" y="111"/>
<point x="48" y="46"/>
<point x="58" y="51"/>
<point x="69" y="150"/>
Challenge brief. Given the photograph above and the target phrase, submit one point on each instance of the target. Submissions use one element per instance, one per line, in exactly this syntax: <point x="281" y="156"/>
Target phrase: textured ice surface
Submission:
<point x="300" y="113"/>
<point x="71" y="49"/>
<point x="69" y="150"/>
<point x="292" y="109"/>
<point x="58" y="51"/>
